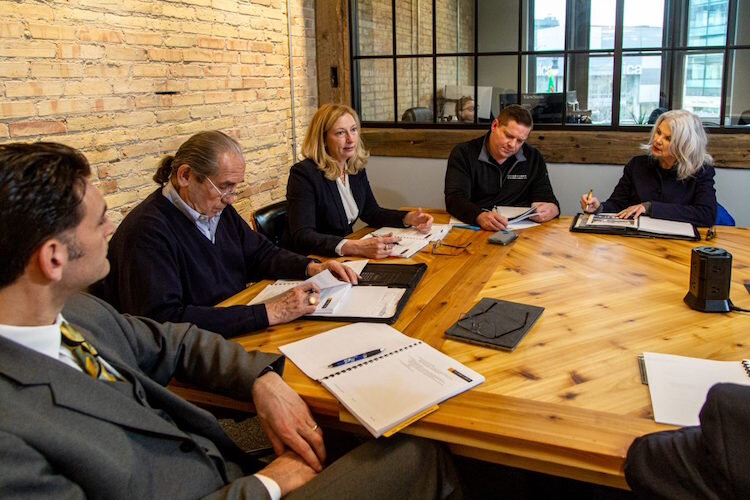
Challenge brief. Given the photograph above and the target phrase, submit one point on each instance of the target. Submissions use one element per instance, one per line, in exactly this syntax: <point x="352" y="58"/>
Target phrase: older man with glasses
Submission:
<point x="185" y="248"/>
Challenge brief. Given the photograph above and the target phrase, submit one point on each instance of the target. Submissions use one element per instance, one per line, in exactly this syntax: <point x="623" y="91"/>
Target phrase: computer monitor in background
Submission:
<point x="544" y="107"/>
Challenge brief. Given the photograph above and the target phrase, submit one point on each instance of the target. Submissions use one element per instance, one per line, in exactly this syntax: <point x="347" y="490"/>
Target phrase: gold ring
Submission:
<point x="314" y="428"/>
<point x="312" y="300"/>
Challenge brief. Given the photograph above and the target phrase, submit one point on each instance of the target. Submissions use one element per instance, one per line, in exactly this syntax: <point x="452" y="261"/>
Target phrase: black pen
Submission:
<point x="352" y="359"/>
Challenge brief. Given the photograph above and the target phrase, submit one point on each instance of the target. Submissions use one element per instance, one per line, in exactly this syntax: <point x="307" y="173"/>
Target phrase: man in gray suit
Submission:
<point x="87" y="413"/>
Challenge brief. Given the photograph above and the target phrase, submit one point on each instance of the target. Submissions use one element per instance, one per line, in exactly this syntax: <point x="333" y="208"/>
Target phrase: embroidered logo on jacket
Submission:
<point x="519" y="177"/>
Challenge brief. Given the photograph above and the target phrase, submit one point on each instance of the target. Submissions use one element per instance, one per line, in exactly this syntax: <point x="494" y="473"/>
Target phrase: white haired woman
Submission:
<point x="674" y="181"/>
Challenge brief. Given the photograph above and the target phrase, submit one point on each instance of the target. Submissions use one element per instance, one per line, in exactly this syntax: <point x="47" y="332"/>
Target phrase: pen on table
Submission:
<point x="466" y="226"/>
<point x="358" y="357"/>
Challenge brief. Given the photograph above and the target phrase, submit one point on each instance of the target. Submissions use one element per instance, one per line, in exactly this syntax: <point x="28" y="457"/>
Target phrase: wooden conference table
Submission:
<point x="569" y="400"/>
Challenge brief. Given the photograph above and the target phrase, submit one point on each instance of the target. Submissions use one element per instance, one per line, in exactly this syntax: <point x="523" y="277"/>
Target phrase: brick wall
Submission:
<point x="127" y="81"/>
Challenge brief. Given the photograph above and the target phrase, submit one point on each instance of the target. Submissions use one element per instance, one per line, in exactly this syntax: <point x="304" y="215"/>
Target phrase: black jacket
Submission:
<point x="475" y="181"/>
<point x="316" y="220"/>
<point x="643" y="180"/>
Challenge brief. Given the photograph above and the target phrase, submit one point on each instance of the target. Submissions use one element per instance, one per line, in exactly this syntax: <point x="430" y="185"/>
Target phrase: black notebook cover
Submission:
<point x="495" y="323"/>
<point x="405" y="276"/>
<point x="628" y="231"/>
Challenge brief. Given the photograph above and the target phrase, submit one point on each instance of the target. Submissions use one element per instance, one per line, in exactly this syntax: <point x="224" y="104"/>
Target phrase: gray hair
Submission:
<point x="201" y="152"/>
<point x="688" y="143"/>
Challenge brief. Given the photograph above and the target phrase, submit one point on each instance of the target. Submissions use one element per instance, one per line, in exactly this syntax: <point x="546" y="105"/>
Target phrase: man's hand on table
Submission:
<point x="287" y="421"/>
<point x="491" y="221"/>
<point x="291" y="305"/>
<point x="544" y="211"/>
<point x="338" y="270"/>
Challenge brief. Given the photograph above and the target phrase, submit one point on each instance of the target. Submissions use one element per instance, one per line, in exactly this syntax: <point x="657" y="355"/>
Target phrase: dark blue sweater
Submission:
<point x="165" y="269"/>
<point x="691" y="200"/>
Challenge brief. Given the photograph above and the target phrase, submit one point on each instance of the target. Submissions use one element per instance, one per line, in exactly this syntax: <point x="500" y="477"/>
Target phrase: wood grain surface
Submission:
<point x="569" y="400"/>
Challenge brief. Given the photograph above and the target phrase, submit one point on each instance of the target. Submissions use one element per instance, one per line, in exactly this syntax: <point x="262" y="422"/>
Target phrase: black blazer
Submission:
<point x="316" y="220"/>
<point x="707" y="461"/>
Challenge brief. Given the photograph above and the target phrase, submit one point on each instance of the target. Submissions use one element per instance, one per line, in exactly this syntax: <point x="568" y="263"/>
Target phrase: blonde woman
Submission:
<point x="674" y="181"/>
<point x="328" y="191"/>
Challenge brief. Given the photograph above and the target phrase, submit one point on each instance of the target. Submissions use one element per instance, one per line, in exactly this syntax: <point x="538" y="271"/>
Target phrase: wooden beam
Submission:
<point x="332" y="49"/>
<point x="557" y="146"/>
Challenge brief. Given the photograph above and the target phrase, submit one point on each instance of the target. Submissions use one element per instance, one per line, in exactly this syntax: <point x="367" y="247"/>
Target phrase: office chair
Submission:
<point x="270" y="221"/>
<point x="723" y="217"/>
<point x="417" y="115"/>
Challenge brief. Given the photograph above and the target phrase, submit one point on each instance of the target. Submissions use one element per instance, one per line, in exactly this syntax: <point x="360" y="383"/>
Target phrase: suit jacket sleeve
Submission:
<point x="369" y="210"/>
<point x="710" y="461"/>
<point x="301" y="213"/>
<point x="458" y="187"/>
<point x="701" y="211"/>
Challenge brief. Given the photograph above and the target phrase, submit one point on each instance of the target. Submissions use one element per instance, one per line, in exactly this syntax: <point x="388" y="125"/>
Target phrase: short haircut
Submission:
<point x="314" y="145"/>
<point x="42" y="186"/>
<point x="688" y="143"/>
<point x="202" y="152"/>
<point x="515" y="113"/>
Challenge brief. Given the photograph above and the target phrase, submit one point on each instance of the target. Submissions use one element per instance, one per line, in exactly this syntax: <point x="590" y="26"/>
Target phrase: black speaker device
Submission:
<point x="710" y="276"/>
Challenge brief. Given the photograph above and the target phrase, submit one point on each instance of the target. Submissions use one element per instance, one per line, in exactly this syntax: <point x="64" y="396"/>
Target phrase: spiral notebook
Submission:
<point x="679" y="385"/>
<point x="389" y="390"/>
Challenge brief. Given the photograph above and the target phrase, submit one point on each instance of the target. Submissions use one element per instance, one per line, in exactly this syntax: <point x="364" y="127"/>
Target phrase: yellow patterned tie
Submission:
<point x="84" y="353"/>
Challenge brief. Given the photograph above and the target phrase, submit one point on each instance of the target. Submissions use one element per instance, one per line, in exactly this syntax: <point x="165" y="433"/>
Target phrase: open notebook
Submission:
<point x="679" y="385"/>
<point x="643" y="226"/>
<point x="412" y="241"/>
<point x="389" y="390"/>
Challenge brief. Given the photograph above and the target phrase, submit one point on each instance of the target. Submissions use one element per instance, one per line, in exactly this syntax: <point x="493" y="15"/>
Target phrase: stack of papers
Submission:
<point x="412" y="241"/>
<point x="517" y="216"/>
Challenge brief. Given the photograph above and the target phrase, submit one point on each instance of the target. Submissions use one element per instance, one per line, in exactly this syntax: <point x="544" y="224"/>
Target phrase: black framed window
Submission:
<point x="573" y="63"/>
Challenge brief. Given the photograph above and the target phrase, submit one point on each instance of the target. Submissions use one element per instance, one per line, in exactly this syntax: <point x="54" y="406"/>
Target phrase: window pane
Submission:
<point x="643" y="24"/>
<point x="741" y="33"/>
<point x="375" y="27"/>
<point x="455" y="80"/>
<point x="701" y="87"/>
<point x="498" y="76"/>
<point x="602" y="24"/>
<point x="415" y="89"/>
<point x="707" y="22"/>
<point x="542" y="85"/>
<point x="413" y="27"/>
<point x="455" y="26"/>
<point x="376" y="89"/>
<point x="738" y="94"/>
<point x="548" y="32"/>
<point x="639" y="92"/>
<point x="589" y="96"/>
<point x="498" y="26"/>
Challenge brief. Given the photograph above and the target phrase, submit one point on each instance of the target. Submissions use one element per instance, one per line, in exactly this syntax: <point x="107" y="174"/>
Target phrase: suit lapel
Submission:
<point x="79" y="392"/>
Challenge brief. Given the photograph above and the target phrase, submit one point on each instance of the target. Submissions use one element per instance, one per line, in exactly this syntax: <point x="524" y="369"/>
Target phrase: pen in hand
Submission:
<point x="358" y="357"/>
<point x="588" y="199"/>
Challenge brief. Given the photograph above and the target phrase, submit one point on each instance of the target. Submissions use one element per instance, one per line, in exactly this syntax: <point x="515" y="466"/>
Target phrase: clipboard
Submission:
<point x="579" y="226"/>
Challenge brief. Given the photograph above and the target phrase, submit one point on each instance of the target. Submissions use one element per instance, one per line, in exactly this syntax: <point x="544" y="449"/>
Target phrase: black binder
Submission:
<point x="577" y="227"/>
<point x="405" y="276"/>
<point x="495" y="323"/>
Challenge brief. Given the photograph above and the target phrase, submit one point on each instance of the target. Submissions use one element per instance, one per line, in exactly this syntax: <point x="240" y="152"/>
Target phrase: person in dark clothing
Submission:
<point x="706" y="461"/>
<point x="328" y="191"/>
<point x="499" y="169"/>
<point x="185" y="248"/>
<point x="675" y="181"/>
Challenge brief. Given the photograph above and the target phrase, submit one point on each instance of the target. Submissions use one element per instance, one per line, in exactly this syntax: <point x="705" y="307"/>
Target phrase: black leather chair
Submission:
<point x="270" y="221"/>
<point x="417" y="115"/>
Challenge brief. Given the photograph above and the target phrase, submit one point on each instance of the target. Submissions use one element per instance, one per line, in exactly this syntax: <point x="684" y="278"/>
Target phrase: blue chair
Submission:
<point x="724" y="218"/>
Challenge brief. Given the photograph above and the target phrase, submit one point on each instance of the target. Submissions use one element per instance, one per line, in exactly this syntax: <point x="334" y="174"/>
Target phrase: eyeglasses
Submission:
<point x="482" y="323"/>
<point x="440" y="248"/>
<point x="225" y="195"/>
<point x="469" y="108"/>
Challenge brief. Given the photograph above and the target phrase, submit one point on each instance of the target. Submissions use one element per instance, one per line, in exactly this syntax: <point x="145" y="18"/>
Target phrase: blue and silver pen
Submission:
<point x="352" y="359"/>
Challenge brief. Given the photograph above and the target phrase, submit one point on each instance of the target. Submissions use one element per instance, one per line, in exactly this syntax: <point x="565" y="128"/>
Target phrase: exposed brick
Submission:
<point x="56" y="70"/>
<point x="52" y="32"/>
<point x="173" y="115"/>
<point x="76" y="51"/>
<point x="125" y="54"/>
<point x="151" y="69"/>
<point x="31" y="128"/>
<point x="17" y="109"/>
<point x="114" y="137"/>
<point x="107" y="70"/>
<point x="89" y="34"/>
<point x="32" y="89"/>
<point x="119" y="199"/>
<point x="143" y="38"/>
<point x="210" y="43"/>
<point x="171" y="55"/>
<point x="12" y="48"/>
<point x="14" y="69"/>
<point x="4" y="133"/>
<point x="11" y="29"/>
<point x="88" y="87"/>
<point x="181" y="41"/>
<point x="100" y="156"/>
<point x="140" y="149"/>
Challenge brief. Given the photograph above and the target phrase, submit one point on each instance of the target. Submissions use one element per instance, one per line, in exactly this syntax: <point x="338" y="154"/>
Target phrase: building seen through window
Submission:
<point x="607" y="63"/>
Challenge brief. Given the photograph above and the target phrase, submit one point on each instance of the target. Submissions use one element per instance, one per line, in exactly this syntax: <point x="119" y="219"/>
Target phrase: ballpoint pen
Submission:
<point x="358" y="357"/>
<point x="588" y="198"/>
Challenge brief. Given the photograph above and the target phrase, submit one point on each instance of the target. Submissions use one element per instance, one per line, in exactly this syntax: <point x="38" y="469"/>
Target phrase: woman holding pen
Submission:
<point x="674" y="181"/>
<point x="328" y="191"/>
